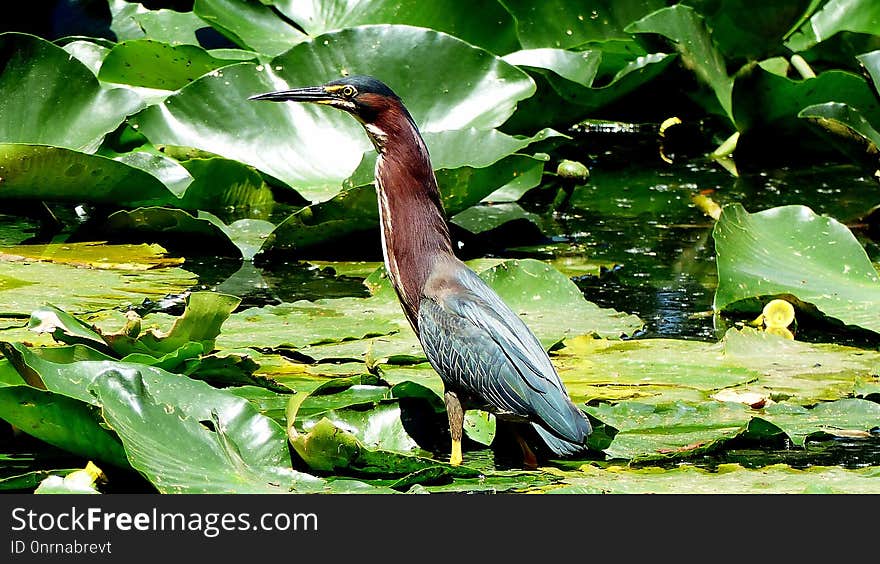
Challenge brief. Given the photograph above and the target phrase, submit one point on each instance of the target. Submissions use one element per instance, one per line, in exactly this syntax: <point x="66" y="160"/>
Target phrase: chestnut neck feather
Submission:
<point x="414" y="230"/>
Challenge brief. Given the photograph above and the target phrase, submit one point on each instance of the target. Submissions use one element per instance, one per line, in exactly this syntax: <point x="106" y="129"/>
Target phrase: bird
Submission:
<point x="485" y="354"/>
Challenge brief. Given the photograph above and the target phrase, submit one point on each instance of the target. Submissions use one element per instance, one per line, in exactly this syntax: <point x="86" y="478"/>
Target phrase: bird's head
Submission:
<point x="366" y="98"/>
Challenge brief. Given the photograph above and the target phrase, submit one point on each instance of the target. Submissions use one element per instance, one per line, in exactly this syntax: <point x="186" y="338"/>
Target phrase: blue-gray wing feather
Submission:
<point x="480" y="347"/>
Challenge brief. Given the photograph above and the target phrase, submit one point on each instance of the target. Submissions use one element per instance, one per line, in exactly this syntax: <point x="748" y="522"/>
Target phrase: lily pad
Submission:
<point x="798" y="372"/>
<point x="93" y="255"/>
<point x="563" y="24"/>
<point x="48" y="97"/>
<point x="78" y="290"/>
<point x="828" y="418"/>
<point x="667" y="369"/>
<point x="54" y="173"/>
<point x="672" y="430"/>
<point x="790" y="250"/>
<point x="489" y="26"/>
<point x="61" y="421"/>
<point x="329" y="448"/>
<point x="835" y="16"/>
<point x="251" y="25"/>
<point x="179" y="453"/>
<point x="552" y="305"/>
<point x="686" y="28"/>
<point x="153" y="64"/>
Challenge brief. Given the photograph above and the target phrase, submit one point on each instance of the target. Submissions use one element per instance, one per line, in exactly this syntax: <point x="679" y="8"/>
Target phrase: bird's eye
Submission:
<point x="348" y="91"/>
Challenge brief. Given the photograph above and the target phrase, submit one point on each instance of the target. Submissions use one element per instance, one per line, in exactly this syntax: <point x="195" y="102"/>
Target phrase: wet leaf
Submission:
<point x="686" y="28"/>
<point x="790" y="250"/>
<point x="835" y="16"/>
<point x="53" y="173"/>
<point x="251" y="25"/>
<point x="766" y="101"/>
<point x="93" y="255"/>
<point x="77" y="290"/>
<point x="563" y="24"/>
<point x="61" y="421"/>
<point x="486" y="25"/>
<point x="671" y="430"/>
<point x="153" y="64"/>
<point x="235" y="450"/>
<point x="200" y="323"/>
<point x="49" y="97"/>
<point x="829" y="418"/>
<point x="552" y="305"/>
<point x="328" y="448"/>
<point x="662" y="369"/>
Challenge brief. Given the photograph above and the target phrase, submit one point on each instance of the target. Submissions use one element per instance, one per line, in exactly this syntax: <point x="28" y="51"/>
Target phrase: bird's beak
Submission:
<point x="314" y="94"/>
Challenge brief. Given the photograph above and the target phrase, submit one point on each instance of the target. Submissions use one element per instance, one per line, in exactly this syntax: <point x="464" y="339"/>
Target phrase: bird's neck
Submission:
<point x="415" y="235"/>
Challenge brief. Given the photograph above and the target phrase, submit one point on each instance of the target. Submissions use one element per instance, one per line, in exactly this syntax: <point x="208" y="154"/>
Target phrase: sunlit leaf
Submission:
<point x="562" y="24"/>
<point x="153" y="64"/>
<point x="49" y="97"/>
<point x="55" y="173"/>
<point x="251" y="25"/>
<point x="485" y="24"/>
<point x="790" y="250"/>
<point x="686" y="28"/>
<point x="835" y="16"/>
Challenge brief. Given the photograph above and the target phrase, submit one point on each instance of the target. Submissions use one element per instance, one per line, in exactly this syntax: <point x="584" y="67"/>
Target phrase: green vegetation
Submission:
<point x="148" y="209"/>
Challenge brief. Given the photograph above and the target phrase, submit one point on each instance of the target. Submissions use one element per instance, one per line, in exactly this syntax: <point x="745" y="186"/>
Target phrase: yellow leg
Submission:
<point x="455" y="458"/>
<point x="456" y="422"/>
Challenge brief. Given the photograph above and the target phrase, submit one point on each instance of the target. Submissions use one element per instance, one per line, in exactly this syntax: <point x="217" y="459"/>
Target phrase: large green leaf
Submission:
<point x="752" y="29"/>
<point x="153" y="64"/>
<point x="862" y="16"/>
<point x="552" y="305"/>
<point x="798" y="372"/>
<point x="49" y="97"/>
<point x="660" y="369"/>
<point x="315" y="149"/>
<point x="484" y="23"/>
<point x="832" y="418"/>
<point x="304" y="323"/>
<point x="790" y="250"/>
<point x="55" y="173"/>
<point x="564" y="24"/>
<point x="764" y="100"/>
<point x="213" y="449"/>
<point x="61" y="421"/>
<point x="183" y="435"/>
<point x="670" y="430"/>
<point x="746" y="363"/>
<point x="25" y="287"/>
<point x="845" y="122"/>
<point x="327" y="447"/>
<point x="687" y="29"/>
<point x="249" y="24"/>
<point x="560" y="102"/>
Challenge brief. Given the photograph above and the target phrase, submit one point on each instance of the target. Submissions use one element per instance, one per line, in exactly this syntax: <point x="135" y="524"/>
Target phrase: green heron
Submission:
<point x="484" y="353"/>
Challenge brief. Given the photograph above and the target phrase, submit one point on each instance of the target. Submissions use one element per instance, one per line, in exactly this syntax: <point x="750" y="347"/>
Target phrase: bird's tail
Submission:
<point x="563" y="446"/>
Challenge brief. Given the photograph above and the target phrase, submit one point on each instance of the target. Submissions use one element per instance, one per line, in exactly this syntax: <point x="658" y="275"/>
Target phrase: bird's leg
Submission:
<point x="456" y="425"/>
<point x="530" y="461"/>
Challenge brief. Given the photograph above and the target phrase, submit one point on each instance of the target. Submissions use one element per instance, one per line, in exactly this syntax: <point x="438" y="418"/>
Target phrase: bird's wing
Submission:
<point x="480" y="346"/>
